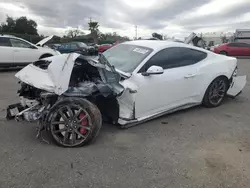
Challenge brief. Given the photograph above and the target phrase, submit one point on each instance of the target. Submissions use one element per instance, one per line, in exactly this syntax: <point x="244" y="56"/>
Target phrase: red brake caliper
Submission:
<point x="84" y="123"/>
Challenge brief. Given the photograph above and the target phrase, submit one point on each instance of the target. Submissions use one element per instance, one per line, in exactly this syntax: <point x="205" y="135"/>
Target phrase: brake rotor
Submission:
<point x="84" y="123"/>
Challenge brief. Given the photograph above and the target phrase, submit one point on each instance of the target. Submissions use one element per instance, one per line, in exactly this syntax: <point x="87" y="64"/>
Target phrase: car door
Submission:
<point x="65" y="48"/>
<point x="233" y="49"/>
<point x="177" y="86"/>
<point x="245" y="49"/>
<point x="24" y="52"/>
<point x="6" y="51"/>
<point x="74" y="48"/>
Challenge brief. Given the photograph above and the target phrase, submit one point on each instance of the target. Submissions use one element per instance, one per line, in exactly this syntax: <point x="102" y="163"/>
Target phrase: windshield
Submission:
<point x="82" y="45"/>
<point x="126" y="57"/>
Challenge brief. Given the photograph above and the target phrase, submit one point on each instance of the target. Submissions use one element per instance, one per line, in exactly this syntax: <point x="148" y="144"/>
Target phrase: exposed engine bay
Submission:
<point x="85" y="81"/>
<point x="88" y="80"/>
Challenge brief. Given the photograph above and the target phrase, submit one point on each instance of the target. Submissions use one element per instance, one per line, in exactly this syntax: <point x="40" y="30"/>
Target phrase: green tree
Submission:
<point x="111" y="38"/>
<point x="94" y="30"/>
<point x="21" y="25"/>
<point x="224" y="39"/>
<point x="9" y="26"/>
<point x="73" y="33"/>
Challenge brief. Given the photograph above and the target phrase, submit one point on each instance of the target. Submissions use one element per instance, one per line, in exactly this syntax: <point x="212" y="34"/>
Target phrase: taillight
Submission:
<point x="235" y="73"/>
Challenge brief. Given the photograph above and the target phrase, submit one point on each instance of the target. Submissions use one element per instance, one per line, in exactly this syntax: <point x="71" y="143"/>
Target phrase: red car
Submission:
<point x="233" y="49"/>
<point x="103" y="47"/>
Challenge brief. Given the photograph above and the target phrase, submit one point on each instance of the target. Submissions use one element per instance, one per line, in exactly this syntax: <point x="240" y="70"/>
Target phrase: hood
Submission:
<point x="44" y="41"/>
<point x="190" y="38"/>
<point x="195" y="40"/>
<point x="54" y="73"/>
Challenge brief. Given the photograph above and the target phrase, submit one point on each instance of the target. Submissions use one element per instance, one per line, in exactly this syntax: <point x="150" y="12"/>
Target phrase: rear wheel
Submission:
<point x="216" y="92"/>
<point x="74" y="122"/>
<point x="223" y="53"/>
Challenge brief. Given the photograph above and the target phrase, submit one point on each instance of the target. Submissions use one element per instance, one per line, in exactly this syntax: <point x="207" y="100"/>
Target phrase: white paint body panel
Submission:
<point x="237" y="85"/>
<point x="24" y="55"/>
<point x="55" y="79"/>
<point x="146" y="97"/>
<point x="44" y="41"/>
<point x="6" y="54"/>
<point x="177" y="88"/>
<point x="166" y="90"/>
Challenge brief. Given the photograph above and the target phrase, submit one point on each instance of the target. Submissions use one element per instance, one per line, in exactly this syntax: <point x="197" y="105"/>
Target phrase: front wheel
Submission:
<point x="74" y="122"/>
<point x="216" y="92"/>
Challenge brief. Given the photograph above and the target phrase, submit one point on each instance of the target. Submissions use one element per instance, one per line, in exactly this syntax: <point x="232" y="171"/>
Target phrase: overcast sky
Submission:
<point x="170" y="17"/>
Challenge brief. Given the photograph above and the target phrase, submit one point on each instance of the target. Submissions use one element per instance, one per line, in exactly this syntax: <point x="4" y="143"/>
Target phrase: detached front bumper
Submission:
<point x="237" y="85"/>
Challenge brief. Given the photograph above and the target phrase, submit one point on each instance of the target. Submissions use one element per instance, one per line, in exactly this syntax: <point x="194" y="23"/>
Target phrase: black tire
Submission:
<point x="45" y="55"/>
<point x="216" y="92"/>
<point x="223" y="53"/>
<point x="72" y="127"/>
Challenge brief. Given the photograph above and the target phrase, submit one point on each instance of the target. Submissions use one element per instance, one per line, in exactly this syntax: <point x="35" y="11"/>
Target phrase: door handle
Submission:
<point x="16" y="50"/>
<point x="190" y="76"/>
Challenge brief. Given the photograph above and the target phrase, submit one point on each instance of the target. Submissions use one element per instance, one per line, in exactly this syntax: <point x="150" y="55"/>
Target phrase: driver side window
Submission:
<point x="74" y="47"/>
<point x="175" y="57"/>
<point x="19" y="44"/>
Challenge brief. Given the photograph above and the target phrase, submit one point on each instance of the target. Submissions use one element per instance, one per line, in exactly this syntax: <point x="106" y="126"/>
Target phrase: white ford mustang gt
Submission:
<point x="130" y="83"/>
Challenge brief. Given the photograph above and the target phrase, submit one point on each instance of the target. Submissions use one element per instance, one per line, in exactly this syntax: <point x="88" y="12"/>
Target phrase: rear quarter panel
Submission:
<point x="213" y="66"/>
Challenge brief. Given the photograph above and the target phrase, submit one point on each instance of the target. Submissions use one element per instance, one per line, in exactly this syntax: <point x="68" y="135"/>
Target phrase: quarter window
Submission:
<point x="74" y="46"/>
<point x="19" y="44"/>
<point x="175" y="57"/>
<point x="4" y="41"/>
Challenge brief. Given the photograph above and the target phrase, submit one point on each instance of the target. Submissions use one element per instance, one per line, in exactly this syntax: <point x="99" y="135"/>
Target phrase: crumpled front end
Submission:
<point x="51" y="74"/>
<point x="54" y="78"/>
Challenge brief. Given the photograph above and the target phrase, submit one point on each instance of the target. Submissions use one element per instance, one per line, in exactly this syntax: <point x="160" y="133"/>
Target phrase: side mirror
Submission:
<point x="153" y="70"/>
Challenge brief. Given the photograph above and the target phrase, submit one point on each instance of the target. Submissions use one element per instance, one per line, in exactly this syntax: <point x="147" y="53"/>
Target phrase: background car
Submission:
<point x="233" y="49"/>
<point x="93" y="49"/>
<point x="103" y="47"/>
<point x="77" y="47"/>
<point x="214" y="46"/>
<point x="148" y="38"/>
<point x="18" y="52"/>
<point x="54" y="46"/>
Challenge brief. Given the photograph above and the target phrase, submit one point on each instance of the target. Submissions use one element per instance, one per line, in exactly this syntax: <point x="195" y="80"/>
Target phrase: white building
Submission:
<point x="242" y="35"/>
<point x="214" y="38"/>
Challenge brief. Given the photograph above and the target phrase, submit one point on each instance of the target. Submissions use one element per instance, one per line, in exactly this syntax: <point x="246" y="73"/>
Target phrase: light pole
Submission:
<point x="136" y="32"/>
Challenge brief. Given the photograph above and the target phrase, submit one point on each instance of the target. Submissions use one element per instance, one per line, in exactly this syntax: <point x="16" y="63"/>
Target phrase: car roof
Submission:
<point x="9" y="36"/>
<point x="14" y="37"/>
<point x="161" y="44"/>
<point x="236" y="43"/>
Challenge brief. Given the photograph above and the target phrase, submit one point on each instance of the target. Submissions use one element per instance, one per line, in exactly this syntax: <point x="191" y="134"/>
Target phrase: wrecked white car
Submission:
<point x="70" y="95"/>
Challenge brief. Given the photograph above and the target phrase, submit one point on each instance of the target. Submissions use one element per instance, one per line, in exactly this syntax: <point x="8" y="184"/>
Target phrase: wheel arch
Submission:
<point x="211" y="80"/>
<point x="223" y="52"/>
<point x="112" y="112"/>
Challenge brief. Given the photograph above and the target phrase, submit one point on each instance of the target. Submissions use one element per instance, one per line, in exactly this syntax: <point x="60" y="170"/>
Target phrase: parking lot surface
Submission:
<point x="195" y="148"/>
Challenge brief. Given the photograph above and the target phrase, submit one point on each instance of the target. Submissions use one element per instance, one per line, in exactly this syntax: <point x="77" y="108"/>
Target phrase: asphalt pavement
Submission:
<point x="196" y="148"/>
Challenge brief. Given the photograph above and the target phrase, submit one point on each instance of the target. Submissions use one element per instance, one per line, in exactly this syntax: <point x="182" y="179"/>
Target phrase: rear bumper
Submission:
<point x="237" y="85"/>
